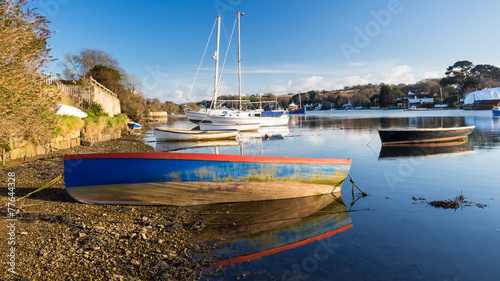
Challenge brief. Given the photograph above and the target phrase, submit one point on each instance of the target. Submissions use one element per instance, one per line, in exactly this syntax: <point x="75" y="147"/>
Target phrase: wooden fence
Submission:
<point x="94" y="92"/>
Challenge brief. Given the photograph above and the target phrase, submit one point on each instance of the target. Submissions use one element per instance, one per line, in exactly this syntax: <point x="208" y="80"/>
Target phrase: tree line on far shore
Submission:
<point x="461" y="78"/>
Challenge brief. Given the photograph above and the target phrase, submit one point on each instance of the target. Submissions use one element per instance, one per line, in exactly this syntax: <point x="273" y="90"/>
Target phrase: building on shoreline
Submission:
<point x="482" y="100"/>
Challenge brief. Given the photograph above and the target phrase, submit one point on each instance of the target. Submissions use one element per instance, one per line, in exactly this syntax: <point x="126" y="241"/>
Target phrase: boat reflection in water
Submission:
<point x="174" y="146"/>
<point x="265" y="133"/>
<point x="251" y="230"/>
<point x="262" y="134"/>
<point x="426" y="149"/>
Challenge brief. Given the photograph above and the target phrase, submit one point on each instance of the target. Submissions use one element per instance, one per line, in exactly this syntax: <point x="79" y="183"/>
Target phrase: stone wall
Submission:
<point x="22" y="149"/>
<point x="94" y="91"/>
<point x="109" y="101"/>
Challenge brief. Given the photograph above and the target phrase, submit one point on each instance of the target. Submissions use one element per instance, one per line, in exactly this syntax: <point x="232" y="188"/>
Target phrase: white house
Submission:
<point x="414" y="99"/>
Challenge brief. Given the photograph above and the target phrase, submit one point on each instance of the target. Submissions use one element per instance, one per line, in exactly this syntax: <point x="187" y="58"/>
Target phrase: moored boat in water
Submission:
<point x="184" y="179"/>
<point x="264" y="118"/>
<point x="294" y="109"/>
<point x="496" y="111"/>
<point x="229" y="127"/>
<point x="166" y="134"/>
<point x="395" y="136"/>
<point x="298" y="110"/>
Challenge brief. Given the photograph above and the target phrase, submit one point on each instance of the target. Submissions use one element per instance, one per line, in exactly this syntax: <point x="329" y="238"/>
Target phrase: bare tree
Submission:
<point x="72" y="69"/>
<point x="77" y="66"/>
<point x="132" y="83"/>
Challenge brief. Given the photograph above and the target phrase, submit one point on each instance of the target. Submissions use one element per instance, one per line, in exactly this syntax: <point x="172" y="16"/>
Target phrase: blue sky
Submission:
<point x="287" y="46"/>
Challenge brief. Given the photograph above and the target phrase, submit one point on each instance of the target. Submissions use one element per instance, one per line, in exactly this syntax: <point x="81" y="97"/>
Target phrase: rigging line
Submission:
<point x="225" y="57"/>
<point x="254" y="46"/>
<point x="204" y="52"/>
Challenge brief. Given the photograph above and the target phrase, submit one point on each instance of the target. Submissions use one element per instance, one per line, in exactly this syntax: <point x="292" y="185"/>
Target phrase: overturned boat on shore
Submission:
<point x="185" y="179"/>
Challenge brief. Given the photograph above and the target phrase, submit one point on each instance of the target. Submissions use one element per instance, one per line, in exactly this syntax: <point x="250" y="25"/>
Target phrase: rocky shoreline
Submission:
<point x="58" y="238"/>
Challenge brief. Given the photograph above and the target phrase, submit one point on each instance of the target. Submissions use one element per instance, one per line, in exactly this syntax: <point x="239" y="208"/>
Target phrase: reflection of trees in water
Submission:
<point x="486" y="134"/>
<point x="325" y="122"/>
<point x="484" y="140"/>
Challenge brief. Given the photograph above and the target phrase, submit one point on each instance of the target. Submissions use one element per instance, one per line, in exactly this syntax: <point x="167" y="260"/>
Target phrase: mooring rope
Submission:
<point x="39" y="189"/>
<point x="354" y="185"/>
<point x="363" y="194"/>
<point x="374" y="135"/>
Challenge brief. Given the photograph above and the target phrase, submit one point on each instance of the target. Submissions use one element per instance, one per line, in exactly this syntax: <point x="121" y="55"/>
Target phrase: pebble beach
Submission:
<point x="55" y="237"/>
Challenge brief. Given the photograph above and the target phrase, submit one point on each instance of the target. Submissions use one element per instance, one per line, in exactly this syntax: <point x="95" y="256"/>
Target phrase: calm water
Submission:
<point x="387" y="235"/>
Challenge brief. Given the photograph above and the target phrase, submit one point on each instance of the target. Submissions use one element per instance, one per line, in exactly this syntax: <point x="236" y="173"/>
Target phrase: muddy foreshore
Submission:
<point x="58" y="238"/>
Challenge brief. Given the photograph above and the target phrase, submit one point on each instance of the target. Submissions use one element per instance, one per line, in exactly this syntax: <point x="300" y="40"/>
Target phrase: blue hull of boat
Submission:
<point x="200" y="121"/>
<point x="161" y="178"/>
<point x="297" y="111"/>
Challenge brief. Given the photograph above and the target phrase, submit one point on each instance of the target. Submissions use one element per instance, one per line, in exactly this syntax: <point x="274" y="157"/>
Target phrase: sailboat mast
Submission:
<point x="239" y="56"/>
<point x="216" y="58"/>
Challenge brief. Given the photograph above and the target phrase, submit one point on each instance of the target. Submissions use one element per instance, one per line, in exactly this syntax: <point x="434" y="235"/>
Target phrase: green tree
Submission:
<point x="131" y="103"/>
<point x="460" y="73"/>
<point x="339" y="102"/>
<point x="486" y="71"/>
<point x="26" y="103"/>
<point x="173" y="108"/>
<point x="386" y="96"/>
<point x="374" y="100"/>
<point x="396" y="92"/>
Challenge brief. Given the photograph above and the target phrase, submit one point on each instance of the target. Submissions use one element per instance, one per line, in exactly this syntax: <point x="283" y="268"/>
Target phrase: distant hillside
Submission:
<point x="461" y="78"/>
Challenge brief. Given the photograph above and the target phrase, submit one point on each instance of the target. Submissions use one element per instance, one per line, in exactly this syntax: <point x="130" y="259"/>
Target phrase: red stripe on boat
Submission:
<point x="283" y="248"/>
<point x="207" y="157"/>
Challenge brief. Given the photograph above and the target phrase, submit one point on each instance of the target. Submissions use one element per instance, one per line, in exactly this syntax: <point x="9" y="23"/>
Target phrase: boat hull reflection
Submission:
<point x="174" y="146"/>
<point x="426" y="150"/>
<point x="251" y="230"/>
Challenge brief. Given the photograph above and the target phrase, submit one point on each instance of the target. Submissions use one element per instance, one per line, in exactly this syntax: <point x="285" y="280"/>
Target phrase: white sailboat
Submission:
<point x="200" y="116"/>
<point x="169" y="134"/>
<point x="265" y="118"/>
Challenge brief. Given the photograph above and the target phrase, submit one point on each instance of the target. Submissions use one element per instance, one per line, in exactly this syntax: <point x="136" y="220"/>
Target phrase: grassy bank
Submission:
<point x="90" y="126"/>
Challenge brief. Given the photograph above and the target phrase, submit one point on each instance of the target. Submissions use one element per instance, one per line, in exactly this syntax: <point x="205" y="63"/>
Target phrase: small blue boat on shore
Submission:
<point x="133" y="125"/>
<point x="184" y="179"/>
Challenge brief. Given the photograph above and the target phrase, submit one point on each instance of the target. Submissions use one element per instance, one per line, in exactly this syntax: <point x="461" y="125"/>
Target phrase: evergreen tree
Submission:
<point x="386" y="96"/>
